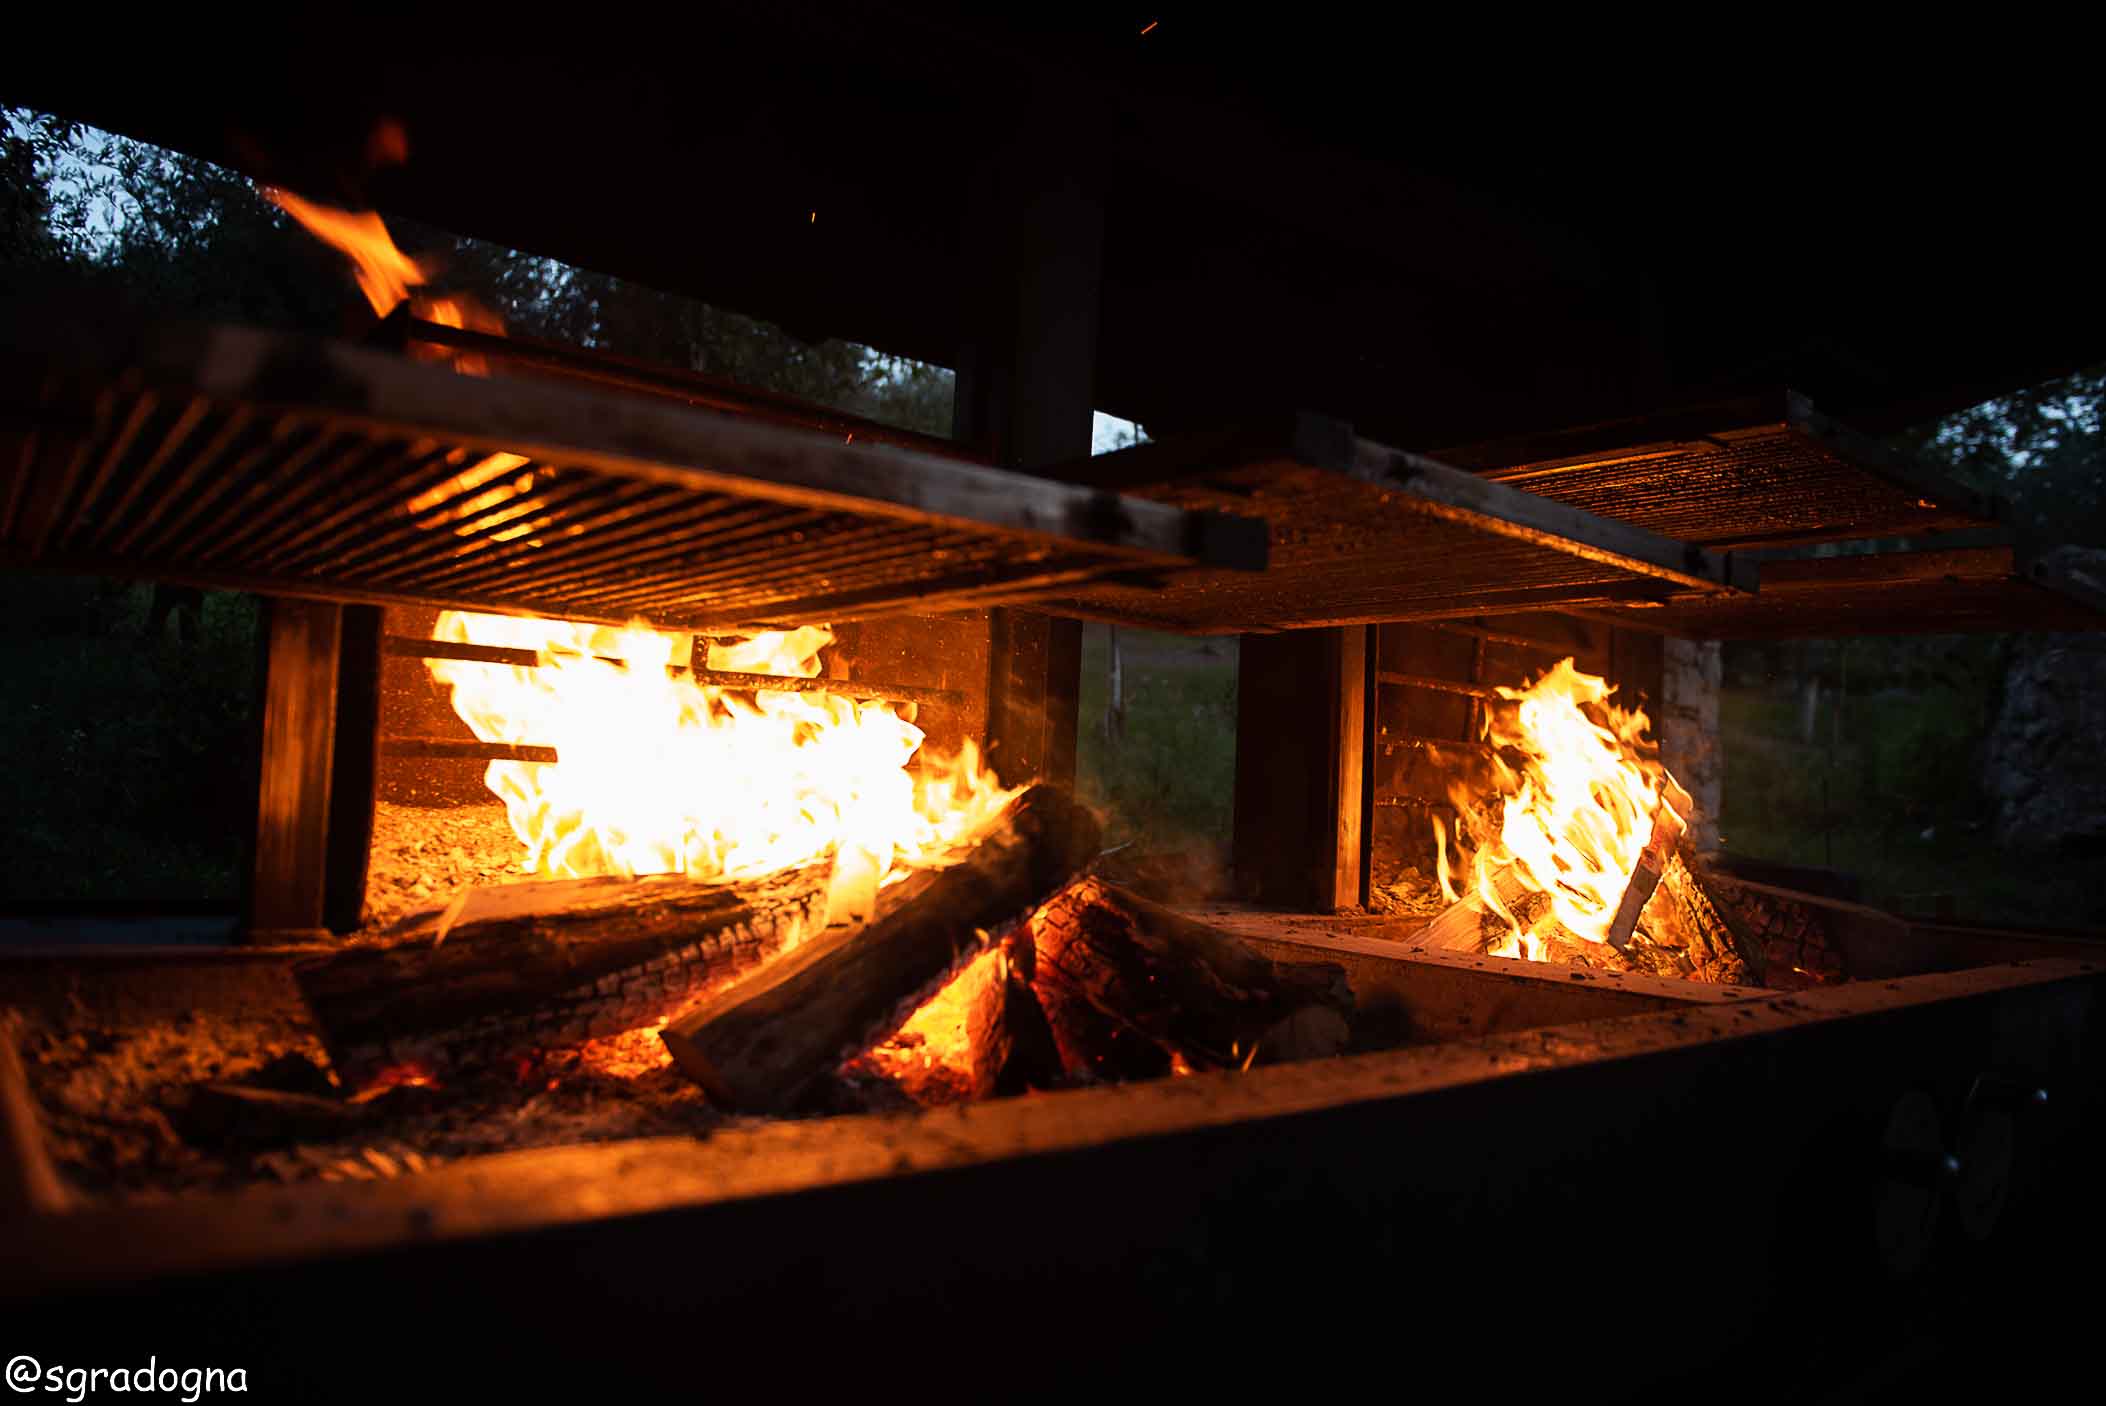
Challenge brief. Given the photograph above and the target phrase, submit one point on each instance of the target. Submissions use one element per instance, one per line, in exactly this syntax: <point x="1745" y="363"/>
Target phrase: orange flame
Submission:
<point x="659" y="774"/>
<point x="385" y="274"/>
<point x="1577" y="796"/>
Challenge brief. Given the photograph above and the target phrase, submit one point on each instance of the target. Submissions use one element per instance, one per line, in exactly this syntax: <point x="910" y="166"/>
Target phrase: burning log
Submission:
<point x="980" y="1034"/>
<point x="1134" y="990"/>
<point x="1681" y="928"/>
<point x="759" y="1044"/>
<point x="1469" y="924"/>
<point x="1684" y="917"/>
<point x="521" y="966"/>
<point x="1670" y="823"/>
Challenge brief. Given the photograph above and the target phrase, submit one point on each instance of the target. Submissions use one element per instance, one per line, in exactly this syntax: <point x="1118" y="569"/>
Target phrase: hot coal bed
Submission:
<point x="557" y="1010"/>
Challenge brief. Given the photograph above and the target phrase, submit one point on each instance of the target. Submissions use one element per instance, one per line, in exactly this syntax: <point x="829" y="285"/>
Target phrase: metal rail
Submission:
<point x="403" y="646"/>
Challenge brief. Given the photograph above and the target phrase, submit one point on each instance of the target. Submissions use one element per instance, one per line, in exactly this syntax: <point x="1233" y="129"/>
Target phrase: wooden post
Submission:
<point x="1302" y="740"/>
<point x="1035" y="678"/>
<point x="353" y="767"/>
<point x="287" y="874"/>
<point x="1025" y="391"/>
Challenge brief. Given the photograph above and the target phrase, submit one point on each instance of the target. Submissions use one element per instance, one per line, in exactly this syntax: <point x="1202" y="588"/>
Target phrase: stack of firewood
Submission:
<point x="1669" y="923"/>
<point x="1025" y="970"/>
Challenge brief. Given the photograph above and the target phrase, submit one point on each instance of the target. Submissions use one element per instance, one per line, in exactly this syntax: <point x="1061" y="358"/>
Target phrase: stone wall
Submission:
<point x="2044" y="767"/>
<point x="1688" y="730"/>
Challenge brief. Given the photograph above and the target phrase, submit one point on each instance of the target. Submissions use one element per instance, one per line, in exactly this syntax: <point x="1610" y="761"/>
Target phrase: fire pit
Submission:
<point x="667" y="911"/>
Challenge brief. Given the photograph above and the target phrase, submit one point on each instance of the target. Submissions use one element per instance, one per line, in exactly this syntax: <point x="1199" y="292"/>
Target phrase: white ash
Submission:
<point x="423" y="856"/>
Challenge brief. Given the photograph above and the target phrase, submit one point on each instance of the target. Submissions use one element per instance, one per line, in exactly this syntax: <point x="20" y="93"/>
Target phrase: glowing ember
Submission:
<point x="1577" y="794"/>
<point x="659" y="774"/>
<point x="934" y="1056"/>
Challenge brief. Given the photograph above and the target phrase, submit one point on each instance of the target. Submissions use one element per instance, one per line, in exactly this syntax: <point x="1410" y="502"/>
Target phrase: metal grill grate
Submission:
<point x="1765" y="471"/>
<point x="1361" y="532"/>
<point x="249" y="460"/>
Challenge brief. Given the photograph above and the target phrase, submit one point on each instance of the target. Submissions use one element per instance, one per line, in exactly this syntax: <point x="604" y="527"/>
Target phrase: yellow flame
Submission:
<point x="386" y="274"/>
<point x="1577" y="796"/>
<point x="659" y="774"/>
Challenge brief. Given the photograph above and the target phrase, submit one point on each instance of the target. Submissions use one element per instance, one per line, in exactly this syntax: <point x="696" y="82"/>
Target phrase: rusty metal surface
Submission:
<point x="1361" y="532"/>
<point x="249" y="460"/>
<point x="1759" y="472"/>
<point x="514" y="1192"/>
<point x="1934" y="591"/>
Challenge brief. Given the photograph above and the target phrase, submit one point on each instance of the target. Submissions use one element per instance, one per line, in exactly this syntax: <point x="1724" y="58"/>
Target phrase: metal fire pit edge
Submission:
<point x="1703" y="1177"/>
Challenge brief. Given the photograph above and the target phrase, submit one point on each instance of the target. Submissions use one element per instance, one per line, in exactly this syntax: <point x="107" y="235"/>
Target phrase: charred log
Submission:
<point x="1685" y="917"/>
<point x="979" y="1034"/>
<point x="761" y="1043"/>
<point x="1133" y="990"/>
<point x="1790" y="934"/>
<point x="522" y="966"/>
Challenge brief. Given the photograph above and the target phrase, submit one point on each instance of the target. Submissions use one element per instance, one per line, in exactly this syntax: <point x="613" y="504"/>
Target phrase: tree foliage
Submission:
<point x="87" y="212"/>
<point x="2043" y="448"/>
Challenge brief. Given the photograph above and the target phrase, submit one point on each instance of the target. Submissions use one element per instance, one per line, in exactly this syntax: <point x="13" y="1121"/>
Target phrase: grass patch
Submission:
<point x="1170" y="779"/>
<point x="1889" y="790"/>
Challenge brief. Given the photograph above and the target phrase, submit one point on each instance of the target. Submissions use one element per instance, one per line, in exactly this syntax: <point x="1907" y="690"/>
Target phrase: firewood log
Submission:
<point x="524" y="966"/>
<point x="1132" y="988"/>
<point x="1787" y="936"/>
<point x="1685" y="916"/>
<point x="758" y="1044"/>
<point x="1653" y="861"/>
<point x="977" y="1032"/>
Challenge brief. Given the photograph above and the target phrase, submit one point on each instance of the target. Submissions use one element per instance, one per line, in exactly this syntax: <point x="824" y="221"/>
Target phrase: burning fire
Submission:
<point x="385" y="274"/>
<point x="660" y="774"/>
<point x="1577" y="794"/>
